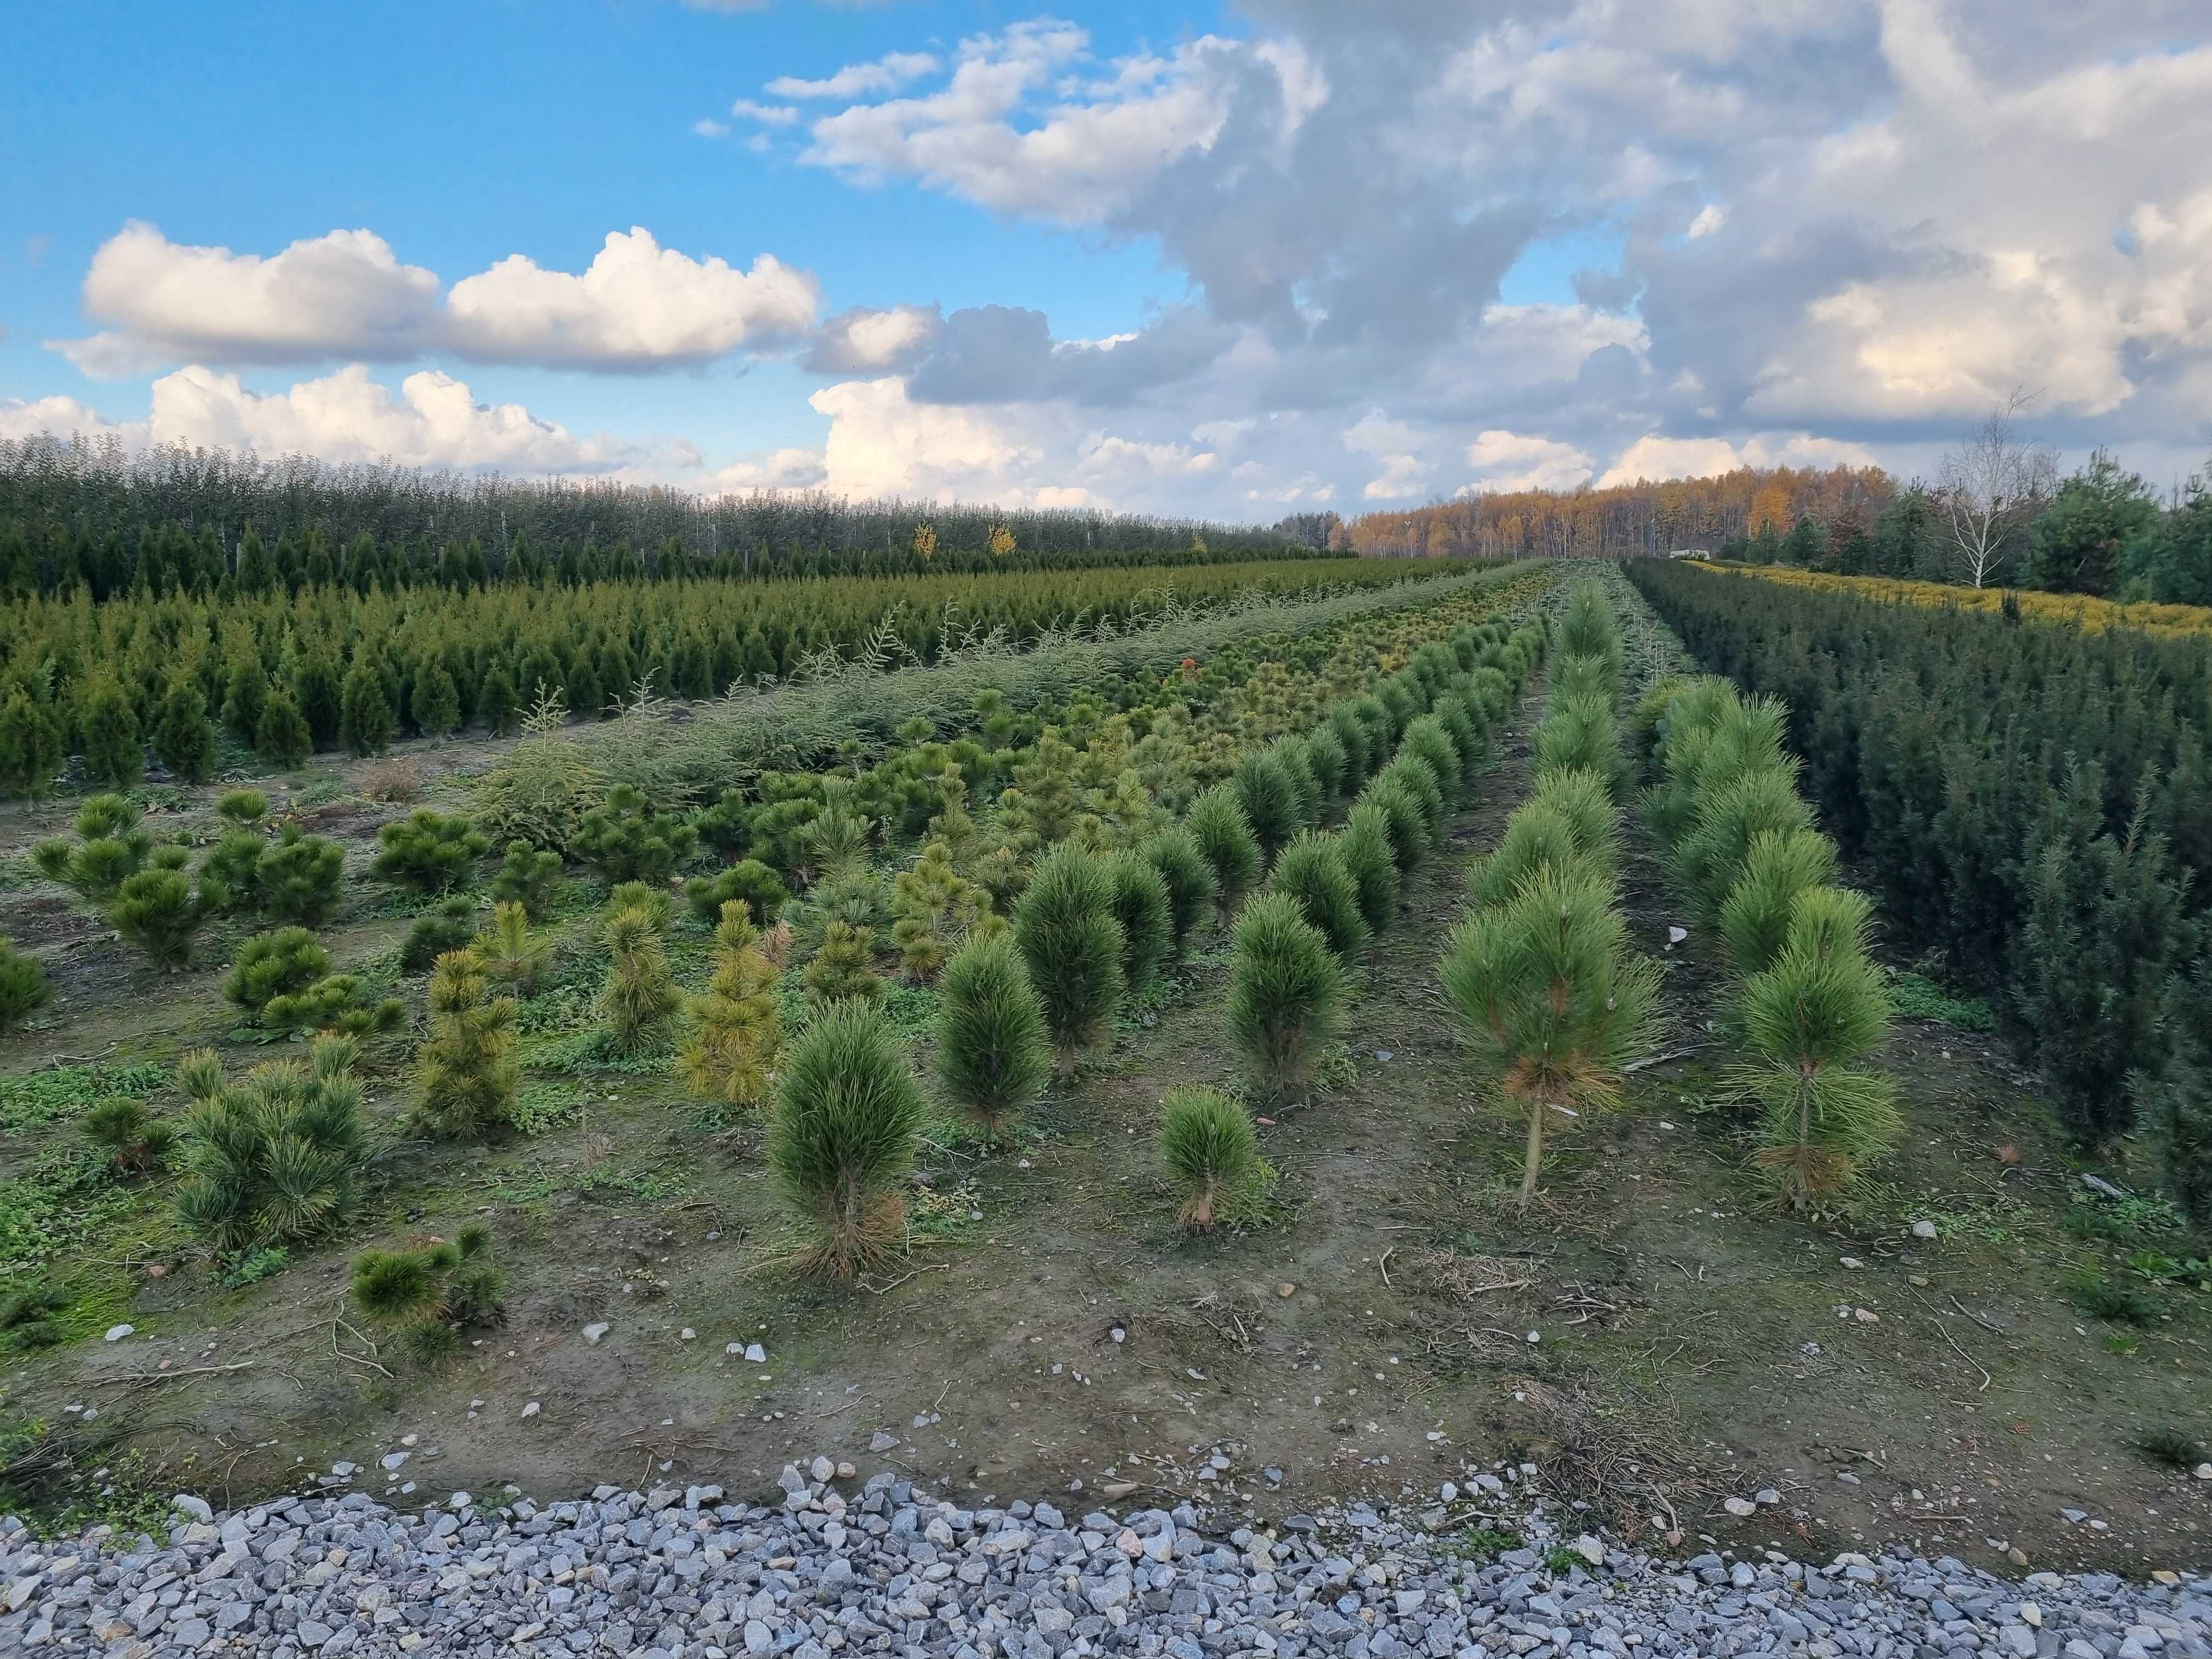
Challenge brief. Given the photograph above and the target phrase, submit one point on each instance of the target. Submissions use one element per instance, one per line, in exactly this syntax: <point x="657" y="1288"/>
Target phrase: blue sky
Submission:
<point x="1346" y="256"/>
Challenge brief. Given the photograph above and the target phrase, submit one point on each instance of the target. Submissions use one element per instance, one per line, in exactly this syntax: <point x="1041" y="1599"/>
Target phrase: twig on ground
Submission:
<point x="170" y="1376"/>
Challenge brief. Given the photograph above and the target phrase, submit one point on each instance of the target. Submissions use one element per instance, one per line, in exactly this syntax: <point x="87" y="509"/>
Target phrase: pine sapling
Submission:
<point x="512" y="955"/>
<point x="1548" y="996"/>
<point x="1812" y="1017"/>
<point x="638" y="998"/>
<point x="465" y="1071"/>
<point x="1364" y="845"/>
<point x="1225" y="837"/>
<point x="1191" y="886"/>
<point x="1285" y="990"/>
<point x="1069" y="935"/>
<point x="993" y="1055"/>
<point x="729" y="1048"/>
<point x="161" y="911"/>
<point x="847" y="1116"/>
<point x="300" y="877"/>
<point x="1312" y="871"/>
<point x="1781" y="865"/>
<point x="843" y="969"/>
<point x="1211" y="1150"/>
<point x="428" y="851"/>
<point x="528" y="876"/>
<point x="273" y="1157"/>
<point x="1139" y="901"/>
<point x="24" y="987"/>
<point x="448" y="925"/>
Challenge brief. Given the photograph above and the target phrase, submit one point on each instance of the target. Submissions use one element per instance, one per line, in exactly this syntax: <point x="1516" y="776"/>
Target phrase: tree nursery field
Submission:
<point x="1726" y="1053"/>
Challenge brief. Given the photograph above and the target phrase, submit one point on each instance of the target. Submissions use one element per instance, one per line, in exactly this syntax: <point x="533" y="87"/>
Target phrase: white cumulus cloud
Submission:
<point x="1504" y="461"/>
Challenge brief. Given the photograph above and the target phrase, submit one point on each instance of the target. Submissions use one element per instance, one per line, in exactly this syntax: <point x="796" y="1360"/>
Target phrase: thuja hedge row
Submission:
<point x="356" y="670"/>
<point x="2034" y="803"/>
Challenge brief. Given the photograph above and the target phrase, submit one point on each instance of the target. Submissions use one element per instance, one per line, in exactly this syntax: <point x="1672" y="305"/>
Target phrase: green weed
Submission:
<point x="1917" y="997"/>
<point x="37" y="1098"/>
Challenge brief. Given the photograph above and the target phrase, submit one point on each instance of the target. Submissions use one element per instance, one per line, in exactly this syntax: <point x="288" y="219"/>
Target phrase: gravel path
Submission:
<point x="886" y="1568"/>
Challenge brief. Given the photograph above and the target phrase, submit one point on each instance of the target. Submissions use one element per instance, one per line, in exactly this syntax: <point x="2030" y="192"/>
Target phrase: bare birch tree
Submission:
<point x="1990" y="486"/>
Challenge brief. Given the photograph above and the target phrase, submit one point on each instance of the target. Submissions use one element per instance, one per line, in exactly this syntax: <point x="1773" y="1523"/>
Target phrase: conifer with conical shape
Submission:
<point x="1364" y="845"/>
<point x="729" y="1049"/>
<point x="24" y="987"/>
<point x="1708" y="860"/>
<point x="638" y="998"/>
<point x="1270" y="798"/>
<point x="1141" y="905"/>
<point x="1069" y="935"/>
<point x="281" y="734"/>
<point x="182" y="736"/>
<point x="1812" y="1017"/>
<point x="108" y="726"/>
<point x="32" y="751"/>
<point x="1549" y="997"/>
<point x="993" y="1054"/>
<point x="1313" y="872"/>
<point x="842" y="970"/>
<point x="1191" y="886"/>
<point x="1781" y="865"/>
<point x="465" y="1071"/>
<point x="365" y="718"/>
<point x="1284" y="992"/>
<point x="1217" y="822"/>
<point x="1427" y="741"/>
<point x="511" y="954"/>
<point x="848" y="1115"/>
<point x="530" y="877"/>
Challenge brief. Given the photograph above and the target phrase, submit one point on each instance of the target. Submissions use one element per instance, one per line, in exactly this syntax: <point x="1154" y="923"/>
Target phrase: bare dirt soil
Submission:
<point x="1650" y="1336"/>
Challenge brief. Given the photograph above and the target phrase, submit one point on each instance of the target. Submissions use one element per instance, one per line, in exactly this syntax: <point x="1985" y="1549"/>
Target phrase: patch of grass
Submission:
<point x="1563" y="1559"/>
<point x="1483" y="1543"/>
<point x="66" y="1199"/>
<point x="256" y="1265"/>
<point x="2100" y="1298"/>
<point x="35" y="1099"/>
<point x="519" y="1187"/>
<point x="2169" y="1447"/>
<point x="543" y="1108"/>
<point x="1917" y="997"/>
<point x="2131" y="1220"/>
<point x="44" y="1479"/>
<point x="943" y="1217"/>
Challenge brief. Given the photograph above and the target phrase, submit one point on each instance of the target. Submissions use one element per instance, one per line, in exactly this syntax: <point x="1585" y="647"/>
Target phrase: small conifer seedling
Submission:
<point x="847" y="1116"/>
<point x="1211" y="1152"/>
<point x="1284" y="989"/>
<point x="992" y="1052"/>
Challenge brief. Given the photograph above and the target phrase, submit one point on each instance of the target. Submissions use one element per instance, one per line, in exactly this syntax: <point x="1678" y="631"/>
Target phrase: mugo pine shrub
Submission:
<point x="993" y="1055"/>
<point x="1284" y="988"/>
<point x="1066" y="926"/>
<point x="424" y="1295"/>
<point x="843" y="1139"/>
<point x="624" y="840"/>
<point x="273" y="1157"/>
<point x="528" y="876"/>
<point x="1211" y="1152"/>
<point x="112" y="847"/>
<point x="428" y="851"/>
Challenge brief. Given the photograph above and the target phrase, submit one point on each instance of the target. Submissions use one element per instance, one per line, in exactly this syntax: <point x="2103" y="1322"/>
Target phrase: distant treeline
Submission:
<point x="1645" y="516"/>
<point x="99" y="511"/>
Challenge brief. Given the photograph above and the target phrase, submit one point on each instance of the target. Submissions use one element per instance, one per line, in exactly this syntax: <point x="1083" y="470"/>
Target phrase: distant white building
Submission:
<point x="1690" y="553"/>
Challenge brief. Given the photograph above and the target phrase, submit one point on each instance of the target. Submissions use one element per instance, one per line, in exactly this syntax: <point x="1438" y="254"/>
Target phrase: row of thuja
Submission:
<point x="1549" y="991"/>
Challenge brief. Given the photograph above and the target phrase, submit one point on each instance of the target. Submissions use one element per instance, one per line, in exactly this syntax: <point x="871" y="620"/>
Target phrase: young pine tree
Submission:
<point x="108" y="726"/>
<point x="161" y="911"/>
<point x="112" y="846"/>
<point x="449" y="924"/>
<point x="1312" y="871"/>
<point x="31" y="749"/>
<point x="640" y="997"/>
<point x="434" y="702"/>
<point x="1065" y="925"/>
<point x="624" y="840"/>
<point x="1138" y="898"/>
<point x="1548" y="995"/>
<point x="1274" y="807"/>
<point x="300" y="877"/>
<point x="464" y="1071"/>
<point x="842" y="970"/>
<point x="992" y="1052"/>
<point x="749" y="879"/>
<point x="277" y="964"/>
<point x="511" y="954"/>
<point x="1211" y="1152"/>
<point x="182" y="736"/>
<point x="1812" y="1017"/>
<point x="848" y="1117"/>
<point x="1781" y="867"/>
<point x="423" y="1296"/>
<point x="1364" y="845"/>
<point x="1223" y="834"/>
<point x="428" y="851"/>
<point x="729" y="1050"/>
<point x="1285" y="990"/>
<point x="1191" y="886"/>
